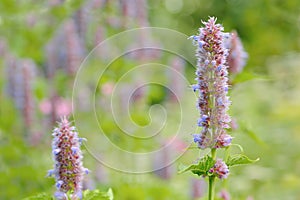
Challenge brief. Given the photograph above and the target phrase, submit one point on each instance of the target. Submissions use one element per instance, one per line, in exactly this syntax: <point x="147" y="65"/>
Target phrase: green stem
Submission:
<point x="211" y="188"/>
<point x="213" y="153"/>
<point x="211" y="180"/>
<point x="227" y="153"/>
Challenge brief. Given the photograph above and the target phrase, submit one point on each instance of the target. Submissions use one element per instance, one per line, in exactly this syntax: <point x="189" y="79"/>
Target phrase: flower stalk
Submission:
<point x="213" y="49"/>
<point x="213" y="101"/>
<point x="211" y="188"/>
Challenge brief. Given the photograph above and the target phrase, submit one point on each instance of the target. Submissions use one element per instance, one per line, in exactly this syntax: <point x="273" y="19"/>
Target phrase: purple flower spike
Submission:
<point x="68" y="169"/>
<point x="212" y="83"/>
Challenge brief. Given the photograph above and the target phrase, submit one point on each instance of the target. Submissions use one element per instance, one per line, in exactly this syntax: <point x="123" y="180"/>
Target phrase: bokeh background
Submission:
<point x="43" y="43"/>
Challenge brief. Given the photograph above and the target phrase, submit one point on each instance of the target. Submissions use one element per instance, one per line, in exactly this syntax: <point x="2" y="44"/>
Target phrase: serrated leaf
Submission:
<point x="201" y="168"/>
<point x="98" y="195"/>
<point x="239" y="159"/>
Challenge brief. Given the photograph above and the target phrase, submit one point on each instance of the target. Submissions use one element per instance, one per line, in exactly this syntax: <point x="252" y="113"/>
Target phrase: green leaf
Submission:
<point x="239" y="159"/>
<point x="201" y="168"/>
<point x="42" y="196"/>
<point x="96" y="194"/>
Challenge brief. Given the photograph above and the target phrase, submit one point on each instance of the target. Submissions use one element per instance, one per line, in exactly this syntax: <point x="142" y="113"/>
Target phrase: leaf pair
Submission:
<point x="206" y="163"/>
<point x="201" y="169"/>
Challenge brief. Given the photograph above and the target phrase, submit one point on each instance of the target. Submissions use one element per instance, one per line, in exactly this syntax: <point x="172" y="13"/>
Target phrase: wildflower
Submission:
<point x="212" y="84"/>
<point x="21" y="75"/>
<point x="237" y="56"/>
<point x="74" y="47"/>
<point x="176" y="82"/>
<point x="220" y="169"/>
<point x="68" y="169"/>
<point x="224" y="194"/>
<point x="197" y="188"/>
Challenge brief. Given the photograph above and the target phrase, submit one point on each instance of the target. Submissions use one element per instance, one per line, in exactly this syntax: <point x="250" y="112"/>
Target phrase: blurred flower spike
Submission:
<point x="237" y="57"/>
<point x="67" y="156"/>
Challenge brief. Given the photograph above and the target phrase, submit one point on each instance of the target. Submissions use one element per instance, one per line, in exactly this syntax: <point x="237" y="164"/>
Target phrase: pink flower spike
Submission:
<point x="212" y="85"/>
<point x="67" y="156"/>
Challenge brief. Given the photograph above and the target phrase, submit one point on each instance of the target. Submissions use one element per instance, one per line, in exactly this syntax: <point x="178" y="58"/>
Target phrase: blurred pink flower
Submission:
<point x="224" y="195"/>
<point x="62" y="106"/>
<point x="237" y="57"/>
<point x="107" y="88"/>
<point x="178" y="144"/>
<point x="234" y="124"/>
<point x="74" y="47"/>
<point x="198" y="188"/>
<point x="45" y="106"/>
<point x="176" y="82"/>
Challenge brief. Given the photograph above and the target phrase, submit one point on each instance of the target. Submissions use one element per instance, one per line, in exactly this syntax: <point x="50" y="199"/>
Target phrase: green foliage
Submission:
<point x="239" y="159"/>
<point x="96" y="194"/>
<point x="87" y="195"/>
<point x="201" y="169"/>
<point x="42" y="196"/>
<point x="31" y="38"/>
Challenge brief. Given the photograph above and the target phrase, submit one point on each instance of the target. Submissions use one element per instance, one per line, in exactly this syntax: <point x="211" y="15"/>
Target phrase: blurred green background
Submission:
<point x="42" y="44"/>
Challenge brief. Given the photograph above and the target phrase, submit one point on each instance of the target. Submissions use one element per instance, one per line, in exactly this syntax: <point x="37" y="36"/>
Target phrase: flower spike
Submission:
<point x="212" y="85"/>
<point x="67" y="156"/>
